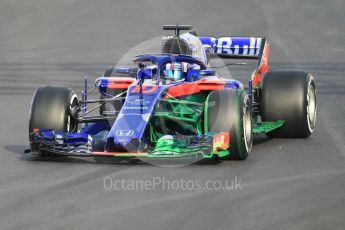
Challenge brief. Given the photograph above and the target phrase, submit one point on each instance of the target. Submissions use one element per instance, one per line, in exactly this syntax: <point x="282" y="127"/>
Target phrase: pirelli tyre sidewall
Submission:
<point x="230" y="111"/>
<point x="289" y="95"/>
<point x="54" y="107"/>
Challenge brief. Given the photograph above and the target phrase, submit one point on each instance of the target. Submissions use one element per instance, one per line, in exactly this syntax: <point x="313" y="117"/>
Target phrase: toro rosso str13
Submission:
<point x="172" y="105"/>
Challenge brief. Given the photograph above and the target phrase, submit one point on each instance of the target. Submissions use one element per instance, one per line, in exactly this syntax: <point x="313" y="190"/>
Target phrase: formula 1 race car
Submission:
<point x="173" y="105"/>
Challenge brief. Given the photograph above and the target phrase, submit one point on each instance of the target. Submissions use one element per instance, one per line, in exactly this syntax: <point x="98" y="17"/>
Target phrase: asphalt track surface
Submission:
<point x="285" y="183"/>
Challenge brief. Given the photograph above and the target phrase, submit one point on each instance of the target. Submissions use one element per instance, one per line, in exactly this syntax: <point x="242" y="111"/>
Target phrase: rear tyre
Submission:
<point x="54" y="107"/>
<point x="115" y="72"/>
<point x="289" y="95"/>
<point x="108" y="72"/>
<point x="230" y="111"/>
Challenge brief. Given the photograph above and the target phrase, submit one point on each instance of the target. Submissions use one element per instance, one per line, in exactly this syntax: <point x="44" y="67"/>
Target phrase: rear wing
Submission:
<point x="239" y="48"/>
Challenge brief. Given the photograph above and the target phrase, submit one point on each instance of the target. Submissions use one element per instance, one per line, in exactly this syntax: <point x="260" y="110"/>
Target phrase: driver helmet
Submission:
<point x="176" y="71"/>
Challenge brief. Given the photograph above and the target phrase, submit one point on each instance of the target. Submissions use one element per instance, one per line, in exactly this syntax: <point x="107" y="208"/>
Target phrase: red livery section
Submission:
<point x="118" y="154"/>
<point x="145" y="89"/>
<point x="119" y="83"/>
<point x="196" y="87"/>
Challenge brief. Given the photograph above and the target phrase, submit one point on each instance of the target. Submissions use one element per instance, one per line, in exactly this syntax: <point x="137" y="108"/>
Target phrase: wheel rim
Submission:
<point x="311" y="107"/>
<point x="247" y="129"/>
<point x="72" y="124"/>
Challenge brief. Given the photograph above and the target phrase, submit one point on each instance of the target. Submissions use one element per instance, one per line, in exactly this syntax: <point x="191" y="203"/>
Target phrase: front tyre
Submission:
<point x="54" y="107"/>
<point x="230" y="111"/>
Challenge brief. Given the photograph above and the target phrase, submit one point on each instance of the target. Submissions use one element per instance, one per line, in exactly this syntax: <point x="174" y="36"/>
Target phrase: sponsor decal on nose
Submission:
<point x="124" y="133"/>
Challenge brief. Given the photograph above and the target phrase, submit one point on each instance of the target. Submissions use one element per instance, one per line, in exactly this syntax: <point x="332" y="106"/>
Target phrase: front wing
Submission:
<point x="81" y="144"/>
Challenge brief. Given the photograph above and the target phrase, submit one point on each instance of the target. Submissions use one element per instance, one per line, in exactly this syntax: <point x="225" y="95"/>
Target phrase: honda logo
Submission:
<point x="125" y="133"/>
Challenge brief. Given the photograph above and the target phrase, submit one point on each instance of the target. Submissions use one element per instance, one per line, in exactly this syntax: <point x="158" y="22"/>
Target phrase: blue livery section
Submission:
<point x="62" y="142"/>
<point x="233" y="46"/>
<point x="135" y="113"/>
